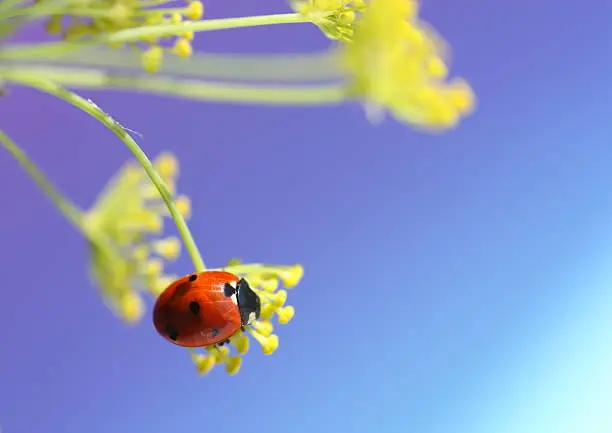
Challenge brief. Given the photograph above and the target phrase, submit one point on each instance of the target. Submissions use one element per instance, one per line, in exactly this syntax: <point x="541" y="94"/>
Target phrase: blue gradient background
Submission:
<point x="455" y="283"/>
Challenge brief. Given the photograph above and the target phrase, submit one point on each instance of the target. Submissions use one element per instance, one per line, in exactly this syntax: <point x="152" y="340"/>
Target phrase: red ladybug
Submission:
<point x="205" y="309"/>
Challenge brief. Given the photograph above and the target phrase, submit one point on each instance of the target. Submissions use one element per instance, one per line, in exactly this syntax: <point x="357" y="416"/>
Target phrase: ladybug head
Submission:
<point x="248" y="303"/>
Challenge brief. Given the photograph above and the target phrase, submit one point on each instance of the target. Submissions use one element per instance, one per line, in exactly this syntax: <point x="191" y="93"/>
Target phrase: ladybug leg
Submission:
<point x="222" y="343"/>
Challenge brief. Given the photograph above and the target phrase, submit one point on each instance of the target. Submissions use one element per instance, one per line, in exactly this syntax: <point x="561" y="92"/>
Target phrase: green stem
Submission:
<point x="317" y="66"/>
<point x="40" y="9"/>
<point x="65" y="206"/>
<point x="10" y="4"/>
<point x="68" y="209"/>
<point x="93" y="110"/>
<point x="135" y="34"/>
<point x="320" y="94"/>
<point x="8" y="27"/>
<point x="17" y="51"/>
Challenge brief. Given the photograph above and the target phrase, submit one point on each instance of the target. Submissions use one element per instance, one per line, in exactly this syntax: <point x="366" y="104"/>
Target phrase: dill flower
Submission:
<point x="89" y="18"/>
<point x="127" y="247"/>
<point x="270" y="282"/>
<point x="397" y="63"/>
<point x="128" y="252"/>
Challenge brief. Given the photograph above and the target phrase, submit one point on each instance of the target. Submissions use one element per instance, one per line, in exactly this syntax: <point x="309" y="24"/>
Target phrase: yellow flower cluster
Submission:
<point x="126" y="226"/>
<point x="128" y="254"/>
<point x="266" y="281"/>
<point x="397" y="63"/>
<point x="87" y="18"/>
<point x="393" y="60"/>
<point x="335" y="18"/>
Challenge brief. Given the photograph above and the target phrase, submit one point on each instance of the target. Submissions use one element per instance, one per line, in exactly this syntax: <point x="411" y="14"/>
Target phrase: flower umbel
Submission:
<point x="266" y="281"/>
<point x="398" y="63"/>
<point x="87" y="18"/>
<point x="129" y="219"/>
<point x="124" y="233"/>
<point x="129" y="216"/>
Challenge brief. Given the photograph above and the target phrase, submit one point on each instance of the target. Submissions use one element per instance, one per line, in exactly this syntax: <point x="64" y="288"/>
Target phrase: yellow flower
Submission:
<point x="262" y="330"/>
<point x="152" y="59"/>
<point x="195" y="10"/>
<point x="397" y="63"/>
<point x="241" y="343"/>
<point x="127" y="246"/>
<point x="285" y="314"/>
<point x="233" y="364"/>
<point x="291" y="275"/>
<point x="203" y="363"/>
<point x="84" y="19"/>
<point x="131" y="307"/>
<point x="335" y="18"/>
<point x="182" y="47"/>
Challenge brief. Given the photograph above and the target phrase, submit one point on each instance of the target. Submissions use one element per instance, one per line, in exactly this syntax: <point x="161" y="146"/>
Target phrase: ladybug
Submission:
<point x="205" y="309"/>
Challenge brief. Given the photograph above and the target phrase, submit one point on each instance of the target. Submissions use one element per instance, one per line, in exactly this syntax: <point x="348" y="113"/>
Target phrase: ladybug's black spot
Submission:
<point x="215" y="331"/>
<point x="172" y="333"/>
<point x="228" y="290"/>
<point x="193" y="277"/>
<point x="194" y="307"/>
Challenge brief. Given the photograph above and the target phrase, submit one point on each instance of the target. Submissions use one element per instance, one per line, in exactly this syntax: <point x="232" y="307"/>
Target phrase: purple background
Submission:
<point x="455" y="283"/>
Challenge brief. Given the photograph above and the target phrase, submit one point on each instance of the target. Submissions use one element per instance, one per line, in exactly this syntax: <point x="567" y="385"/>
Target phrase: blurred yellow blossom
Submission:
<point x="385" y="57"/>
<point x="127" y="246"/>
<point x="397" y="63"/>
<point x="130" y="306"/>
<point x="335" y="18"/>
<point x="89" y="18"/>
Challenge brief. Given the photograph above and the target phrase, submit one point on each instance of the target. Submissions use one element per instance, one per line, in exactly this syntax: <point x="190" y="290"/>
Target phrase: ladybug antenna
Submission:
<point x="249" y="303"/>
